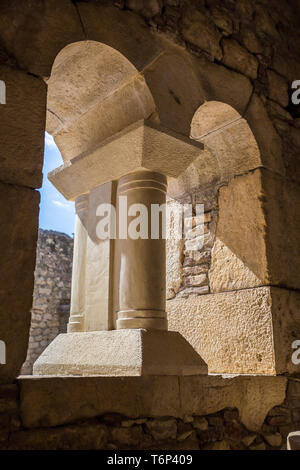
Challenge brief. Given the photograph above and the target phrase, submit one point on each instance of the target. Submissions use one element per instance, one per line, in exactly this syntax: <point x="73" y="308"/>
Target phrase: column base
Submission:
<point x="133" y="352"/>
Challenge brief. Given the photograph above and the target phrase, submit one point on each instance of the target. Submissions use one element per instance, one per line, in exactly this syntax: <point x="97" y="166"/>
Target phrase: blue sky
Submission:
<point x="56" y="213"/>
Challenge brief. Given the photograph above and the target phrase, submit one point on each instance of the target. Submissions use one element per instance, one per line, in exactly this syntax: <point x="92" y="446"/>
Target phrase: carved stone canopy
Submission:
<point x="140" y="146"/>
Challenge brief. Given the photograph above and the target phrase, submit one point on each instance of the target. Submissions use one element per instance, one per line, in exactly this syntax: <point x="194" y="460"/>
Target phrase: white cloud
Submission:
<point x="64" y="205"/>
<point x="49" y="141"/>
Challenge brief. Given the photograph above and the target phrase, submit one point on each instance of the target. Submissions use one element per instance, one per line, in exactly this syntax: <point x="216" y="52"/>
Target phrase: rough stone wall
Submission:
<point x="187" y="266"/>
<point x="111" y="431"/>
<point x="52" y="293"/>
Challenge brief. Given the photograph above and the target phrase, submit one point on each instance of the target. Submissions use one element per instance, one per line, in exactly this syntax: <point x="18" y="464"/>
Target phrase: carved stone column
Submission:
<point x="140" y="265"/>
<point x="139" y="158"/>
<point x="76" y="320"/>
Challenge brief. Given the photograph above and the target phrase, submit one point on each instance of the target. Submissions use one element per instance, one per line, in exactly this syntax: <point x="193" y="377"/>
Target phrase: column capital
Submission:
<point x="140" y="146"/>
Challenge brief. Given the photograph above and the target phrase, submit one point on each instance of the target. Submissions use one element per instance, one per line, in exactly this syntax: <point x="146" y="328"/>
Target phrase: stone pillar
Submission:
<point x="141" y="344"/>
<point x="76" y="321"/>
<point x="140" y="264"/>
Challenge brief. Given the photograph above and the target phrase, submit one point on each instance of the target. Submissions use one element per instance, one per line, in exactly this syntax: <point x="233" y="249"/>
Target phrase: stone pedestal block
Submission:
<point x="135" y="352"/>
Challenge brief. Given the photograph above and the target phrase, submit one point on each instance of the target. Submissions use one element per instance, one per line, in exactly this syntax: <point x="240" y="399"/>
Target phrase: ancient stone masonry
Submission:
<point x="187" y="266"/>
<point x="26" y="426"/>
<point x="52" y="291"/>
<point x="134" y="81"/>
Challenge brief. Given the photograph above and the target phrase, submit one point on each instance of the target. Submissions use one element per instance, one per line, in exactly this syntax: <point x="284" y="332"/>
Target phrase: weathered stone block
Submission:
<point x="268" y="141"/>
<point x="242" y="332"/>
<point x="34" y="33"/>
<point x="238" y="58"/>
<point x="198" y="29"/>
<point x="127" y="437"/>
<point x="123" y="352"/>
<point x="239" y="258"/>
<point x="57" y="401"/>
<point x="278" y="89"/>
<point x="281" y="207"/>
<point x="161" y="429"/>
<point x="22" y="128"/>
<point x="19" y="217"/>
<point x="175" y="88"/>
<point x="130" y="37"/>
<point x="74" y="437"/>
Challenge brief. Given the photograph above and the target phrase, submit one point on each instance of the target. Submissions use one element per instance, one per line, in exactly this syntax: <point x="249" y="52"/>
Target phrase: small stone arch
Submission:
<point x="230" y="149"/>
<point x="93" y="93"/>
<point x="211" y="292"/>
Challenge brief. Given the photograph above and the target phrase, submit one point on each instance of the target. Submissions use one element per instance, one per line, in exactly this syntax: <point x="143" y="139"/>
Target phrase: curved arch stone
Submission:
<point x="230" y="148"/>
<point x="93" y="93"/>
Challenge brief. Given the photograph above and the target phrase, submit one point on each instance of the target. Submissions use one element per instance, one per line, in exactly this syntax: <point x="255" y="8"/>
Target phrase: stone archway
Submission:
<point x="44" y="30"/>
<point x="232" y="316"/>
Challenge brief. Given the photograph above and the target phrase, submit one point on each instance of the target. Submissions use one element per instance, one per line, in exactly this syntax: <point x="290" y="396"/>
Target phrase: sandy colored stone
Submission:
<point x="238" y="58"/>
<point x="253" y="396"/>
<point x="199" y="30"/>
<point x="145" y="7"/>
<point x="127" y="352"/>
<point x="84" y="74"/>
<point x="220" y="332"/>
<point x="53" y="268"/>
<point x="19" y="219"/>
<point x="202" y="172"/>
<point x="162" y="429"/>
<point x="122" y="30"/>
<point x="105" y="118"/>
<point x="278" y="88"/>
<point x="221" y="445"/>
<point x="242" y="332"/>
<point x="212" y="116"/>
<point x="56" y="401"/>
<point x="73" y="437"/>
<point x="228" y="272"/>
<point x="248" y="440"/>
<point x="274" y="440"/>
<point x="283" y="229"/>
<point x="196" y="280"/>
<point x="61" y="400"/>
<point x="234" y="148"/>
<point x="185" y="435"/>
<point x="221" y="84"/>
<point x="22" y="128"/>
<point x="200" y="423"/>
<point x="229" y="145"/>
<point x="175" y="88"/>
<point x="268" y="141"/>
<point x="140" y="264"/>
<point x="34" y="33"/>
<point x="127" y="437"/>
<point x="239" y="255"/>
<point x="222" y="21"/>
<point x="250" y="39"/>
<point x="174" y="249"/>
<point x="261" y="446"/>
<point x="139" y="146"/>
<point x="98" y="286"/>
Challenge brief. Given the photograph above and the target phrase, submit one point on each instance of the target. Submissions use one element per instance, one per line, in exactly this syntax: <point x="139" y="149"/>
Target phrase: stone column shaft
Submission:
<point x="76" y="320"/>
<point x="140" y="271"/>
